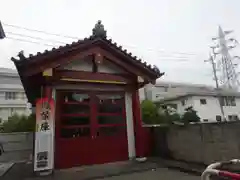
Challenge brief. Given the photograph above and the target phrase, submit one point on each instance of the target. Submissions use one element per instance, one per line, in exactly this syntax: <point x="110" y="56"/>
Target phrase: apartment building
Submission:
<point x="207" y="105"/>
<point x="12" y="96"/>
<point x="204" y="99"/>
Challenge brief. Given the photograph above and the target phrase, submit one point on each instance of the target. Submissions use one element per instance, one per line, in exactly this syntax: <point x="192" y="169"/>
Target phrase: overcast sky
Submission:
<point x="173" y="34"/>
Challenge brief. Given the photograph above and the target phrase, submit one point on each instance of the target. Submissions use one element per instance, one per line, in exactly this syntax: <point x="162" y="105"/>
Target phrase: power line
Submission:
<point x="179" y="59"/>
<point x="173" y="57"/>
<point x="28" y="41"/>
<point x="164" y="51"/>
<point x="75" y="38"/>
<point x="40" y="31"/>
<point x="38" y="38"/>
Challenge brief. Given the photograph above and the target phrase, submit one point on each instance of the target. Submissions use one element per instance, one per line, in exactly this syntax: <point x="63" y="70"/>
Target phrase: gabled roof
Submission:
<point x="98" y="36"/>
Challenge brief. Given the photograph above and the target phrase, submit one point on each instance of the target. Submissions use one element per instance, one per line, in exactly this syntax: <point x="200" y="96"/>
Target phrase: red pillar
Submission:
<point x="137" y="124"/>
<point x="47" y="92"/>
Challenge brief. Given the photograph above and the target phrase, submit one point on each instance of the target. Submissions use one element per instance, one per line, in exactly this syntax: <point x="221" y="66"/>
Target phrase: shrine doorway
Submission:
<point x="90" y="128"/>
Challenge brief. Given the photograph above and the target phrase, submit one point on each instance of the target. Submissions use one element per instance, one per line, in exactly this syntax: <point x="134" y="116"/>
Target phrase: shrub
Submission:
<point x="19" y="123"/>
<point x="190" y="115"/>
<point x="163" y="114"/>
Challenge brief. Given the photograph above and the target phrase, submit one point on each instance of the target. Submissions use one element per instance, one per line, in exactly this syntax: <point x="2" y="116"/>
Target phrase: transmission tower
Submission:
<point x="225" y="63"/>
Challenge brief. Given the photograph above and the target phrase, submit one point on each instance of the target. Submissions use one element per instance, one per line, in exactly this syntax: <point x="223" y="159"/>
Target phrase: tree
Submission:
<point x="158" y="114"/>
<point x="151" y="114"/>
<point x="190" y="115"/>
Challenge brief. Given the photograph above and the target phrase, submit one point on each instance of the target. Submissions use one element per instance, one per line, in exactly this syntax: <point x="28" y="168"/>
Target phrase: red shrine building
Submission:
<point x="94" y="85"/>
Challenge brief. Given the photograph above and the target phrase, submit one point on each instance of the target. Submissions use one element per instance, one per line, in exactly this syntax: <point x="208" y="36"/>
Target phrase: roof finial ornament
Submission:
<point x="21" y="55"/>
<point x="98" y="30"/>
<point x="156" y="69"/>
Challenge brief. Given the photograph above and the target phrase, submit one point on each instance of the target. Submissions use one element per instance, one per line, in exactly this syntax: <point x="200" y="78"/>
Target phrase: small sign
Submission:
<point x="48" y="72"/>
<point x="44" y="138"/>
<point x="140" y="79"/>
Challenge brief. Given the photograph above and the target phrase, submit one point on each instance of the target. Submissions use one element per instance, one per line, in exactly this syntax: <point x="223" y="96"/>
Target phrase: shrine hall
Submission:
<point x="93" y="84"/>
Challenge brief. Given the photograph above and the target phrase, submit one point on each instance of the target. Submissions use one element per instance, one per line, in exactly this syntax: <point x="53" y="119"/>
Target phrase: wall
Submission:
<point x="141" y="94"/>
<point x="17" y="146"/>
<point x="201" y="143"/>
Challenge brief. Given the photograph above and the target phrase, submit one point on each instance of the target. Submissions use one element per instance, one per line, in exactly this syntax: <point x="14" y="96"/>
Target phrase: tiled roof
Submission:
<point x="163" y="83"/>
<point x="99" y="34"/>
<point x="220" y="93"/>
<point x="7" y="70"/>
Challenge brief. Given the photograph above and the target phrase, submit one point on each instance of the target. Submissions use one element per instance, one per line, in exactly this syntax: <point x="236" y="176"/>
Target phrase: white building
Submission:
<point x="12" y="95"/>
<point x="163" y="89"/>
<point x="202" y="98"/>
<point x="207" y="104"/>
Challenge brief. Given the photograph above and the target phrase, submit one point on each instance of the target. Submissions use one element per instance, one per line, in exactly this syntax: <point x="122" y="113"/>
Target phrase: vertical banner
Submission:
<point x="44" y="135"/>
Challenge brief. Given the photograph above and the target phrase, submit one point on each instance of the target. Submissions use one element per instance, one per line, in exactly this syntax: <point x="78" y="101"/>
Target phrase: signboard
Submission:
<point x="44" y="136"/>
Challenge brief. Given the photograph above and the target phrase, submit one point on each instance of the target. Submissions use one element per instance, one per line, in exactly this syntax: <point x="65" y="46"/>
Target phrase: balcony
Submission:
<point x="13" y="103"/>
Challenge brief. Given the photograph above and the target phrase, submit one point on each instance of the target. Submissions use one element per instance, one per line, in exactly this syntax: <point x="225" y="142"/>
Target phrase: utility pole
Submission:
<point x="211" y="59"/>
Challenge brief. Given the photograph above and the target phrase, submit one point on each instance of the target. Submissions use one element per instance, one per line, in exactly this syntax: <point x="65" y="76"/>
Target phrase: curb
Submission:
<point x="119" y="174"/>
<point x="181" y="166"/>
<point x="185" y="170"/>
<point x="184" y="167"/>
<point x="7" y="170"/>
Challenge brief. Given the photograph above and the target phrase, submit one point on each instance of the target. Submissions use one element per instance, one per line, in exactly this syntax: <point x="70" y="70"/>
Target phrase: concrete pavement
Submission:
<point x="113" y="171"/>
<point x="157" y="174"/>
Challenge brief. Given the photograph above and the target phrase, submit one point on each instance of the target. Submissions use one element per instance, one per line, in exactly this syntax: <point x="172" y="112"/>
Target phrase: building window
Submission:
<point x="10" y="95"/>
<point x="218" y="118"/>
<point x="233" y="118"/>
<point x="203" y="101"/>
<point x="228" y="101"/>
<point x="183" y="102"/>
<point x="165" y="89"/>
<point x="173" y="106"/>
<point x="205" y="120"/>
<point x="23" y="96"/>
<point x="11" y="111"/>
